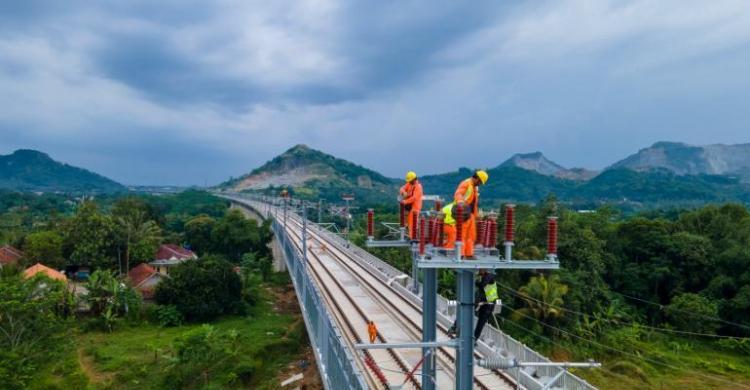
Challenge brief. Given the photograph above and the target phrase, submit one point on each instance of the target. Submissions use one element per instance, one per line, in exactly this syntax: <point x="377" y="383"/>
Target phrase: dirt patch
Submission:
<point x="306" y="365"/>
<point x="87" y="366"/>
<point x="285" y="299"/>
<point x="285" y="302"/>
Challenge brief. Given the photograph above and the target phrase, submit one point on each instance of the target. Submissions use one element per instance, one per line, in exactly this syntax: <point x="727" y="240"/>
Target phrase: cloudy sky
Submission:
<point x="187" y="92"/>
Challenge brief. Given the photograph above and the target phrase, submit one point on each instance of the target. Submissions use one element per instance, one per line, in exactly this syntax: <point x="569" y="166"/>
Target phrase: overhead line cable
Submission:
<point x="662" y="307"/>
<point x="652" y="361"/>
<point x="684" y="332"/>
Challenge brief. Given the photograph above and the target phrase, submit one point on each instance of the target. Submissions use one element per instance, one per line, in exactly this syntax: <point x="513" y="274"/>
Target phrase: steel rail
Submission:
<point x="416" y="328"/>
<point x="393" y="353"/>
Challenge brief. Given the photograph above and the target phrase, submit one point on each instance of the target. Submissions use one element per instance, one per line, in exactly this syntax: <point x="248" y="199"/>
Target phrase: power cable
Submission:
<point x="662" y="307"/>
<point x="684" y="332"/>
<point x="652" y="361"/>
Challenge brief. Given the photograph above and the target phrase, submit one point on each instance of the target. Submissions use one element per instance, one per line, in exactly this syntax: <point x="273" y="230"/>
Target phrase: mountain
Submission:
<point x="523" y="178"/>
<point x="30" y="170"/>
<point x="538" y="163"/>
<point x="684" y="159"/>
<point x="311" y="173"/>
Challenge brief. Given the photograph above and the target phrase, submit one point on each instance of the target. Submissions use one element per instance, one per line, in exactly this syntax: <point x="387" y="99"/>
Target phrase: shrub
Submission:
<point x="203" y="289"/>
<point x="692" y="312"/>
<point x="168" y="316"/>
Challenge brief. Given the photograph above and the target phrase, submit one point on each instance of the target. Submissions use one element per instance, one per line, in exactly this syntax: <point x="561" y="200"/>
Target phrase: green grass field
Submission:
<point x="138" y="356"/>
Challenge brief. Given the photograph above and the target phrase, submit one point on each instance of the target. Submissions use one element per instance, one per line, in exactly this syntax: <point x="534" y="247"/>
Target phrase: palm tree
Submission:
<point x="543" y="298"/>
<point x="135" y="228"/>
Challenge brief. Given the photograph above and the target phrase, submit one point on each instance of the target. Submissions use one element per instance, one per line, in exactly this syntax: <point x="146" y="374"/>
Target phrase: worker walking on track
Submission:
<point x="467" y="195"/>
<point x="372" y="331"/>
<point x="411" y="194"/>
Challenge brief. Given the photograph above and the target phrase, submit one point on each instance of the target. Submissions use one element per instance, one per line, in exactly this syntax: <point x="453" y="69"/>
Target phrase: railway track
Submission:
<point x="357" y="295"/>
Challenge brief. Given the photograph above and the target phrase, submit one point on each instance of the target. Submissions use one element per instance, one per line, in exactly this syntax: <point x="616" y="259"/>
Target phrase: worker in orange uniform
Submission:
<point x="411" y="195"/>
<point x="372" y="330"/>
<point x="467" y="195"/>
<point x="449" y="226"/>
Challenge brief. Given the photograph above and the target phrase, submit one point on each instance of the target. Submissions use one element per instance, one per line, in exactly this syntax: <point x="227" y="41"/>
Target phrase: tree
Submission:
<point x="543" y="297"/>
<point x="89" y="237"/>
<point x="198" y="233"/>
<point x="110" y="298"/>
<point x="45" y="247"/>
<point x="202" y="289"/>
<point x="235" y="235"/>
<point x="32" y="322"/>
<point x="693" y="313"/>
<point x="139" y="236"/>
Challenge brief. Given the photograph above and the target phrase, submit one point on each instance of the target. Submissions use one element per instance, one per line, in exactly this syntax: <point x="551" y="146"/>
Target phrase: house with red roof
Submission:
<point x="170" y="255"/>
<point x="145" y="278"/>
<point x="9" y="255"/>
<point x="40" y="268"/>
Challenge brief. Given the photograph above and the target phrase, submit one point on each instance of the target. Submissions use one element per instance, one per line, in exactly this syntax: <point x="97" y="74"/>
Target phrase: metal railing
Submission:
<point x="338" y="369"/>
<point x="494" y="341"/>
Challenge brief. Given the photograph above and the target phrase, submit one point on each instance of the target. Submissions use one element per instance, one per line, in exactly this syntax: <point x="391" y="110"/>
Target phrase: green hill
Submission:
<point x="312" y="174"/>
<point x="30" y="170"/>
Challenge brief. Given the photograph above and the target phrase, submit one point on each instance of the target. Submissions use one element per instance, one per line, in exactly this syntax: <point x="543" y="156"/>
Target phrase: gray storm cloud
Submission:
<point x="192" y="92"/>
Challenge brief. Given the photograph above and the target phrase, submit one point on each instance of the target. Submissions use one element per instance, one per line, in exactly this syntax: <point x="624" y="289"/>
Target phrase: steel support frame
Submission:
<point x="465" y="317"/>
<point x="429" y="327"/>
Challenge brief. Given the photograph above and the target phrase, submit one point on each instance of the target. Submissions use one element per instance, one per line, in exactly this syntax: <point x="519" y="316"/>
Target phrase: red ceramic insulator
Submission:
<point x="370" y="223"/>
<point x="431" y="229"/>
<point x="492" y="234"/>
<point x="438" y="240"/>
<point x="481" y="229"/>
<point x="438" y="205"/>
<point x="414" y="222"/>
<point x="402" y="216"/>
<point x="459" y="217"/>
<point x="422" y="235"/>
<point x="509" y="222"/>
<point x="552" y="236"/>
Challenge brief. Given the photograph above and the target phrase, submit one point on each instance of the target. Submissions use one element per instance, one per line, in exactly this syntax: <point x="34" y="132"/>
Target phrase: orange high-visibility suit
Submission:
<point x="412" y="194"/>
<point x="372" y="330"/>
<point x="450" y="236"/>
<point x="449" y="227"/>
<point x="467" y="193"/>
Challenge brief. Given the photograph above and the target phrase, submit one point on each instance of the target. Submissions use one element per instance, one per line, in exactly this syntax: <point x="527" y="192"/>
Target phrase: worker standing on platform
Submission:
<point x="486" y="298"/>
<point x="411" y="194"/>
<point x="467" y="195"/>
<point x="372" y="331"/>
<point x="449" y="226"/>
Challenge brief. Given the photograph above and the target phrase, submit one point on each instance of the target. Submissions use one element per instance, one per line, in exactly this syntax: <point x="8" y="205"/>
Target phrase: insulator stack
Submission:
<point x="370" y="223"/>
<point x="437" y="239"/>
<point x="402" y="216"/>
<point x="431" y="229"/>
<point x="422" y="235"/>
<point x="438" y="205"/>
<point x="509" y="222"/>
<point x="414" y="222"/>
<point x="552" y="236"/>
<point x="459" y="217"/>
<point x="481" y="230"/>
<point x="491" y="233"/>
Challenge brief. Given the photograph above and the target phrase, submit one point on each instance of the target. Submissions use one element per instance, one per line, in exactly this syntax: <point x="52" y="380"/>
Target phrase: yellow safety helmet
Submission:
<point x="411" y="175"/>
<point x="483" y="176"/>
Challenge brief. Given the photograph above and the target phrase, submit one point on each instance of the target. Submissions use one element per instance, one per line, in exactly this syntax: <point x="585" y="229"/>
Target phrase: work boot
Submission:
<point x="452" y="332"/>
